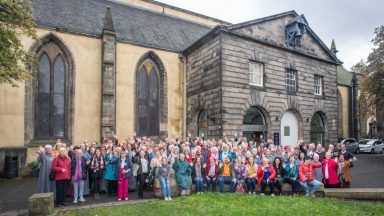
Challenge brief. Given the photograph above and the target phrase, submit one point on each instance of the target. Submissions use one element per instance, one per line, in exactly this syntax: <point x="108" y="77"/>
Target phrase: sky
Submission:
<point x="350" y="23"/>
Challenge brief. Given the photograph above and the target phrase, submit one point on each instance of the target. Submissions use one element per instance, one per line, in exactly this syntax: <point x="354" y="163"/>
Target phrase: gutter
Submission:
<point x="181" y="58"/>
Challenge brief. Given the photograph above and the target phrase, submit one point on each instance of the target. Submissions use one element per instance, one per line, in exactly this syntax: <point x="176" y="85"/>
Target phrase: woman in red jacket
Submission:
<point x="266" y="176"/>
<point x="61" y="165"/>
<point x="330" y="166"/>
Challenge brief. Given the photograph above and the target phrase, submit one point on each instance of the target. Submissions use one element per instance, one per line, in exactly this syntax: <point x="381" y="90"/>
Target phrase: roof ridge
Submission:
<point x="156" y="12"/>
<point x="262" y="19"/>
<point x="187" y="11"/>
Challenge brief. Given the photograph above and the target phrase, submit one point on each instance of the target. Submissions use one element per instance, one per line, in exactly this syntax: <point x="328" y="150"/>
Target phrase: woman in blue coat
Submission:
<point x="182" y="174"/>
<point x="292" y="174"/>
<point x="110" y="169"/>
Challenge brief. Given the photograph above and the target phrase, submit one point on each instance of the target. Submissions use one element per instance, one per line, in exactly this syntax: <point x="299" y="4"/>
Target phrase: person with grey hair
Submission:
<point x="45" y="157"/>
<point x="79" y="175"/>
<point x="61" y="165"/>
<point x="182" y="174"/>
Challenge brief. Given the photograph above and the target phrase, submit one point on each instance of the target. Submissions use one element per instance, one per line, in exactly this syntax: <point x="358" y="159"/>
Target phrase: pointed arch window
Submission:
<point x="51" y="95"/>
<point x="148" y="100"/>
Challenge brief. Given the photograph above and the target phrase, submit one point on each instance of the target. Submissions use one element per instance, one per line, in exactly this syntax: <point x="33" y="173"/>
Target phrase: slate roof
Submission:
<point x="132" y="24"/>
<point x="344" y="77"/>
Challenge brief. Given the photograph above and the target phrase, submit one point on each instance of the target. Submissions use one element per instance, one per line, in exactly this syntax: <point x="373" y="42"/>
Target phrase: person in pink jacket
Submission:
<point x="330" y="166"/>
<point x="61" y="165"/>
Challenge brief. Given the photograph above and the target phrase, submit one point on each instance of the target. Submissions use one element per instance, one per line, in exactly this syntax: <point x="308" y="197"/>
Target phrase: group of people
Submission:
<point x="139" y="163"/>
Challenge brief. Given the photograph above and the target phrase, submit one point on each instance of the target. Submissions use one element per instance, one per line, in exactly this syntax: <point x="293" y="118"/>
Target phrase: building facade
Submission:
<point x="112" y="67"/>
<point x="256" y="78"/>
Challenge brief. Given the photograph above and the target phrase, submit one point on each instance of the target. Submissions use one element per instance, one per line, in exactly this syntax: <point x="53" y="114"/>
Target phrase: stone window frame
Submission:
<point x="290" y="70"/>
<point x="318" y="86"/>
<point x="163" y="92"/>
<point x="31" y="91"/>
<point x="261" y="73"/>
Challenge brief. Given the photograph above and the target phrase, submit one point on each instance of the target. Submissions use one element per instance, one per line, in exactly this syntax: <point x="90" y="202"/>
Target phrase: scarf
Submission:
<point x="97" y="162"/>
<point x="78" y="172"/>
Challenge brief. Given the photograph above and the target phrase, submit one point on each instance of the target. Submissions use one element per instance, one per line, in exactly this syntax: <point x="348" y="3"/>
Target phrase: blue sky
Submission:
<point x="350" y="22"/>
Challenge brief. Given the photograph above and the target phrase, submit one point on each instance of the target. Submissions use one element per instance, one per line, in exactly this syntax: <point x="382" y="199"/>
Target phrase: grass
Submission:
<point x="233" y="204"/>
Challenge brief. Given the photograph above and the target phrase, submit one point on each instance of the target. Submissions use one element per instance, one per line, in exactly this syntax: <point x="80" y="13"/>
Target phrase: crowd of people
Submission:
<point x="119" y="166"/>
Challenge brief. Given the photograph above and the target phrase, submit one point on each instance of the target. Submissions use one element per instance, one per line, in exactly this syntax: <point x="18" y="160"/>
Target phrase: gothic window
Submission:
<point x="148" y="100"/>
<point x="51" y="95"/>
<point x="202" y="124"/>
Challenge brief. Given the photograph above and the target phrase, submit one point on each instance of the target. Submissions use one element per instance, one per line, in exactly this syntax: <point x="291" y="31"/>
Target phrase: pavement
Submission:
<point x="368" y="172"/>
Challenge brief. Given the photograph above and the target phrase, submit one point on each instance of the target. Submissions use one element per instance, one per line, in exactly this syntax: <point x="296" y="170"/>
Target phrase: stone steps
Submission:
<point x="355" y="193"/>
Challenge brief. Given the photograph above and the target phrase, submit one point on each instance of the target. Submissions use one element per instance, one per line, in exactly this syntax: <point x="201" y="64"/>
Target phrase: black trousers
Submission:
<point x="61" y="189"/>
<point x="271" y="185"/>
<point x="279" y="185"/>
<point x="96" y="184"/>
<point x="327" y="185"/>
<point x="141" y="179"/>
<point x="294" y="184"/>
<point x="112" y="187"/>
<point x="90" y="180"/>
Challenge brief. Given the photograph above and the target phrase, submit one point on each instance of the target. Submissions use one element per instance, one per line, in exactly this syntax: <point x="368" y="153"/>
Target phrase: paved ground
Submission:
<point x="367" y="173"/>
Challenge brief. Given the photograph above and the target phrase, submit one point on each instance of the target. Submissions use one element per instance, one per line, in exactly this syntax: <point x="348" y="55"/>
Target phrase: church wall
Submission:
<point x="86" y="52"/>
<point x="238" y="95"/>
<point x="87" y="55"/>
<point x="204" y="87"/>
<point x="344" y="93"/>
<point x="127" y="58"/>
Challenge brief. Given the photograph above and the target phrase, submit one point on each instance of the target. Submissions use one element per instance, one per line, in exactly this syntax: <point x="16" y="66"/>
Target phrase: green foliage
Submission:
<point x="234" y="204"/>
<point x="15" y="22"/>
<point x="372" y="84"/>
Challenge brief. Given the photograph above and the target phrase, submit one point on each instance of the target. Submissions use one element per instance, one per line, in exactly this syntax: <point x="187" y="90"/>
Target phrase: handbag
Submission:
<point x="52" y="175"/>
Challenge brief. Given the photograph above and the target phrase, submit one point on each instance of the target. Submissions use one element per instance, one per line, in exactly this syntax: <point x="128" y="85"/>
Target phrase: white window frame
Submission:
<point x="259" y="74"/>
<point x="318" y="85"/>
<point x="290" y="80"/>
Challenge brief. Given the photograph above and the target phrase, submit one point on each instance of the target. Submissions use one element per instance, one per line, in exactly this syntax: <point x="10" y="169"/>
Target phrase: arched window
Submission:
<point x="202" y="124"/>
<point x="51" y="95"/>
<point x="148" y="100"/>
<point x="317" y="129"/>
<point x="254" y="125"/>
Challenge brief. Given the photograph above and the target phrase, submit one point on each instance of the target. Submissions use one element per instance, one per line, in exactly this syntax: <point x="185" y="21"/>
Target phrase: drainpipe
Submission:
<point x="181" y="58"/>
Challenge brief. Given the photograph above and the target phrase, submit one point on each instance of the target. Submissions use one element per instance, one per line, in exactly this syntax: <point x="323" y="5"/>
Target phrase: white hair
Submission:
<point x="48" y="147"/>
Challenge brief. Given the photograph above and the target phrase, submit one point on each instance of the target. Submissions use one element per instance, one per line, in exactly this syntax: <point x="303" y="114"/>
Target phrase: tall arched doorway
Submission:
<point x="254" y="125"/>
<point x="289" y="129"/>
<point x="202" y="124"/>
<point x="317" y="129"/>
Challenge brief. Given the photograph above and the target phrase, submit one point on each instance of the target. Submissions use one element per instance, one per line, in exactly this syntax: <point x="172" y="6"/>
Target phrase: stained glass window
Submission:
<point x="50" y="110"/>
<point x="148" y="104"/>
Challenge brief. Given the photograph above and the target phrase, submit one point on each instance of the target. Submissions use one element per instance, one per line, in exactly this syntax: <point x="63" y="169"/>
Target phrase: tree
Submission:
<point x="16" y="21"/>
<point x="371" y="86"/>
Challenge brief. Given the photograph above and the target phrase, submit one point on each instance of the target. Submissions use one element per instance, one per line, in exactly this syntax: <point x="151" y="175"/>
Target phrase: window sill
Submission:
<point x="43" y="142"/>
<point x="290" y="93"/>
<point x="256" y="87"/>
<point x="319" y="96"/>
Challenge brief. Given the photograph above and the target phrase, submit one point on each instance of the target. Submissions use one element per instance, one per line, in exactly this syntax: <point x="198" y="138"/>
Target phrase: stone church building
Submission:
<point x="115" y="67"/>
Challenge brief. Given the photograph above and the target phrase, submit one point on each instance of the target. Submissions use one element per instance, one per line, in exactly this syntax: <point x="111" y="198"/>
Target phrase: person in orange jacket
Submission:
<point x="266" y="175"/>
